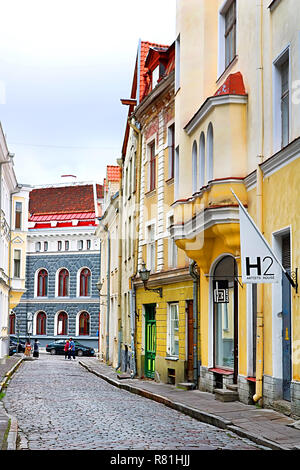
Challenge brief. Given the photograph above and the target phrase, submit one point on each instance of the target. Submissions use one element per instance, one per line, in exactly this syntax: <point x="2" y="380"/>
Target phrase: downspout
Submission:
<point x="259" y="208"/>
<point x="194" y="274"/>
<point x="120" y="330"/>
<point x="137" y="203"/>
<point x="108" y="290"/>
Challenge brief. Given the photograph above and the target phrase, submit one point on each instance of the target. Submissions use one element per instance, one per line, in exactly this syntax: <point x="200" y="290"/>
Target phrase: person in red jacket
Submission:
<point x="66" y="348"/>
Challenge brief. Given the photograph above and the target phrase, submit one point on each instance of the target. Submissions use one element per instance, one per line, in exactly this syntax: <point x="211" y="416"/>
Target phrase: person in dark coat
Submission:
<point x="36" y="352"/>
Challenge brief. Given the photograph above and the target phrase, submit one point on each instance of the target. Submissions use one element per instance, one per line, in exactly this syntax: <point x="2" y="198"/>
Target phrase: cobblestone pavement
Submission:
<point x="61" y="406"/>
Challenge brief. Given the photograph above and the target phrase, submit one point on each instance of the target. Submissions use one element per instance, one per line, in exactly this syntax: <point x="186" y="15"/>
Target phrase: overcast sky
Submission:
<point x="64" y="65"/>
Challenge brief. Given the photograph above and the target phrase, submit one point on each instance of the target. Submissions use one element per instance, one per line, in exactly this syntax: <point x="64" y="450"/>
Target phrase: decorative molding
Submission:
<point x="210" y="104"/>
<point x="282" y="158"/>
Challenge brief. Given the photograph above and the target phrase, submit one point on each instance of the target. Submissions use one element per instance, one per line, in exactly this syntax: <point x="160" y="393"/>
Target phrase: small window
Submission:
<point x="155" y="77"/>
<point x="42" y="283"/>
<point x="152" y="167"/>
<point x="12" y="324"/>
<point x="18" y="215"/>
<point x="80" y="244"/>
<point x="17" y="263"/>
<point x="59" y="246"/>
<point x="194" y="167"/>
<point x="41" y="323"/>
<point x="284" y="72"/>
<point x="85" y="282"/>
<point x="63" y="283"/>
<point x="151" y="248"/>
<point x="173" y="330"/>
<point x="62" y="323"/>
<point x="172" y="247"/>
<point x="45" y="246"/>
<point x="38" y="246"/>
<point x="88" y="244"/>
<point x="171" y="150"/>
<point x="67" y="245"/>
<point x="230" y="34"/>
<point x="84" y="324"/>
<point x="176" y="174"/>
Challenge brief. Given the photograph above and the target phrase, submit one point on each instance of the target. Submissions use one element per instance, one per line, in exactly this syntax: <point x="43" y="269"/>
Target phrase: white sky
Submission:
<point x="64" y="65"/>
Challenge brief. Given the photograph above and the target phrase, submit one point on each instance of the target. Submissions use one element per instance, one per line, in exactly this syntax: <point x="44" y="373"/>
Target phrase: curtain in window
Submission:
<point x="63" y="283"/>
<point x="42" y="284"/>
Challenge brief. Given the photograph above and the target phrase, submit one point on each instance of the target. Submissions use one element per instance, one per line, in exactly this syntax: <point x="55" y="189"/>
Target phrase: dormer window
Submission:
<point x="155" y="77"/>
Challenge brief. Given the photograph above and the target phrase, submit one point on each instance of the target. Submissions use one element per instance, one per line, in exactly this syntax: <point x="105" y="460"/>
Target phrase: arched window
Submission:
<point x="194" y="167"/>
<point x="42" y="283"/>
<point x="62" y="323"/>
<point x="85" y="282"/>
<point x="84" y="324"/>
<point x="41" y="323"/>
<point x="12" y="323"/>
<point x="210" y="153"/>
<point x="63" y="283"/>
<point x="202" y="160"/>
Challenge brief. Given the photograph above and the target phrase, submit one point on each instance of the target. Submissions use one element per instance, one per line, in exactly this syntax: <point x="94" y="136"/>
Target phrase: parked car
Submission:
<point x="12" y="348"/>
<point x="57" y="347"/>
<point x="13" y="343"/>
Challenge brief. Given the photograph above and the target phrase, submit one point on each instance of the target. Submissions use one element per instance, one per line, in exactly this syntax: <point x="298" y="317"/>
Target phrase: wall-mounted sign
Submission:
<point x="259" y="263"/>
<point x="221" y="292"/>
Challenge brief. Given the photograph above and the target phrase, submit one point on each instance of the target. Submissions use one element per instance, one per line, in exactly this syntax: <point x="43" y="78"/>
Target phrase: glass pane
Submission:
<point x="224" y="318"/>
<point x="285" y="120"/>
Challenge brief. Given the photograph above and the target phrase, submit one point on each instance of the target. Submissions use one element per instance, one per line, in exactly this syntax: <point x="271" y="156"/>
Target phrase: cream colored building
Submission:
<point x="237" y="121"/>
<point x="108" y="232"/>
<point x="13" y="231"/>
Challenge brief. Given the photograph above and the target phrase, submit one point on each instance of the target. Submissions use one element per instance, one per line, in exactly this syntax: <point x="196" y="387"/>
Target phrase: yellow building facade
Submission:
<point x="237" y="128"/>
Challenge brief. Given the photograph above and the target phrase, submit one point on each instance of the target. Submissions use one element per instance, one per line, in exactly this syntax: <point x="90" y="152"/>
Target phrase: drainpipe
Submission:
<point x="194" y="274"/>
<point x="133" y="299"/>
<point x="259" y="208"/>
<point x="108" y="289"/>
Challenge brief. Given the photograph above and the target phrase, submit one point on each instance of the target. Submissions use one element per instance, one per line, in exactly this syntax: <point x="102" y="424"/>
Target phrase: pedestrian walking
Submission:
<point x="66" y="348"/>
<point x="36" y="352"/>
<point x="71" y="349"/>
<point x="27" y="348"/>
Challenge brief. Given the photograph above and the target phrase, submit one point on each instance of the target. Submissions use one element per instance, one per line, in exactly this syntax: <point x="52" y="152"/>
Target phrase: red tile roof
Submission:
<point x="233" y="85"/>
<point x="62" y="200"/>
<point x="145" y="46"/>
<point x="113" y="173"/>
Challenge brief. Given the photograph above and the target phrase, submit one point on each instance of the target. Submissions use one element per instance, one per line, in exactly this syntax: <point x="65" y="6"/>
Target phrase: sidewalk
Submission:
<point x="262" y="426"/>
<point x="8" y="424"/>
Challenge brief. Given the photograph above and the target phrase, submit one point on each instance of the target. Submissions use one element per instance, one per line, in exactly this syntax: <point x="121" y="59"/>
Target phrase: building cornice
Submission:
<point x="209" y="105"/>
<point x="282" y="158"/>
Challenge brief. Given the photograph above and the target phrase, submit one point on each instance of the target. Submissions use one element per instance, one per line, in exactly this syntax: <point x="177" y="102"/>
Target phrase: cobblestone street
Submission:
<point x="61" y="406"/>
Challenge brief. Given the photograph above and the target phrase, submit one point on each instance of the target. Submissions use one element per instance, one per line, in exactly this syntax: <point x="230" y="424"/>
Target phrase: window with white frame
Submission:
<point x="155" y="77"/>
<point x="282" y="100"/>
<point x="210" y="153"/>
<point x="17" y="263"/>
<point x="194" y="167"/>
<point x="18" y="215"/>
<point x="202" y="160"/>
<point x="171" y="149"/>
<point x="176" y="174"/>
<point x="173" y="330"/>
<point x="172" y="247"/>
<point x="151" y="247"/>
<point x="227" y="34"/>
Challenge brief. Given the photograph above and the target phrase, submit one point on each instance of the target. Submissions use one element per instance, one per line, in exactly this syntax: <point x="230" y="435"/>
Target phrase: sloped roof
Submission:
<point x="113" y="173"/>
<point x="233" y="85"/>
<point x="62" y="200"/>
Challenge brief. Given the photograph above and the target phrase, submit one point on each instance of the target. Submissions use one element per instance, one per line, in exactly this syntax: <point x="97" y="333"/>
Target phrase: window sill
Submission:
<point x="151" y="193"/>
<point x="172" y="358"/>
<point x="226" y="70"/>
<point x="170" y="180"/>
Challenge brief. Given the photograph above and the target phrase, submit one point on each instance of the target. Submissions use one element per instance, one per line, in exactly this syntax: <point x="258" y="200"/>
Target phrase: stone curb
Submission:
<point x="13" y="430"/>
<point x="202" y="416"/>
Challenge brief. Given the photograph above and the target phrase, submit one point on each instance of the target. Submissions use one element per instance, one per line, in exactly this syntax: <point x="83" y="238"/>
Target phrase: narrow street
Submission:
<point x="61" y="406"/>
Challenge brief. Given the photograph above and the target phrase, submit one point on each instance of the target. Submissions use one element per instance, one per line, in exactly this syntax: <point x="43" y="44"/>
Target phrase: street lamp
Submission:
<point x="145" y="274"/>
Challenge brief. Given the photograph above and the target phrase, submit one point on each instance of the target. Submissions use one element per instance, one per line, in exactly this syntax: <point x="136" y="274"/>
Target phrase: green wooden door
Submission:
<point x="150" y="341"/>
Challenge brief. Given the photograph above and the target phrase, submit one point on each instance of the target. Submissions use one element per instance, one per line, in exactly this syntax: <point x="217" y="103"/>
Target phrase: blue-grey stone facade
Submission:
<point x="51" y="304"/>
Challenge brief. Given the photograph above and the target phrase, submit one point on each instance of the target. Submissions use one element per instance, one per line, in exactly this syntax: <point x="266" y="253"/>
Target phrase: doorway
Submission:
<point x="286" y="320"/>
<point x="190" y="341"/>
<point x="150" y="340"/>
<point x="225" y="308"/>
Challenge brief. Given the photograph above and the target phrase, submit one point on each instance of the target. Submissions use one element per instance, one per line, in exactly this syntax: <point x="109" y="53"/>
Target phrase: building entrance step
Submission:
<point x="225" y="395"/>
<point x="186" y="385"/>
<point x="232" y="387"/>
